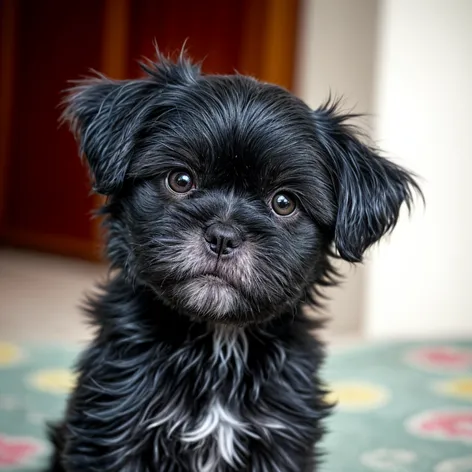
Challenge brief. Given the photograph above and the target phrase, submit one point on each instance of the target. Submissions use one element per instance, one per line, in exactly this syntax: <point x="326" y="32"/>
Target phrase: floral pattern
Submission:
<point x="461" y="464"/>
<point x="17" y="451"/>
<point x="355" y="395"/>
<point x="60" y="381"/>
<point x="10" y="354"/>
<point x="452" y="425"/>
<point x="399" y="407"/>
<point x="448" y="359"/>
<point x="460" y="388"/>
<point x="389" y="459"/>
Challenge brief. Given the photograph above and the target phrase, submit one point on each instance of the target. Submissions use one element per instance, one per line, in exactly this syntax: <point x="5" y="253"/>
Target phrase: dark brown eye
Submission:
<point x="283" y="204"/>
<point x="180" y="181"/>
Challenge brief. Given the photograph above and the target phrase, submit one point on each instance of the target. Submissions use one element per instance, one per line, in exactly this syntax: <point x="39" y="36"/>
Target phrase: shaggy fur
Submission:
<point x="203" y="359"/>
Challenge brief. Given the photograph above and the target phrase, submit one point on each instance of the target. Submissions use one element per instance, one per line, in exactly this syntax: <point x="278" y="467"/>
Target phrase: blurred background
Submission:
<point x="400" y="331"/>
<point x="405" y="63"/>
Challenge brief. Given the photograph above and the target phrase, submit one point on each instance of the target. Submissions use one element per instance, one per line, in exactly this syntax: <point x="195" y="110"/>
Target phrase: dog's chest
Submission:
<point x="217" y="435"/>
<point x="217" y="439"/>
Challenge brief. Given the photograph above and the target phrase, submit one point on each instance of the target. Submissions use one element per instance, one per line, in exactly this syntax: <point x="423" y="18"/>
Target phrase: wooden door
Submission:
<point x="45" y="200"/>
<point x="47" y="203"/>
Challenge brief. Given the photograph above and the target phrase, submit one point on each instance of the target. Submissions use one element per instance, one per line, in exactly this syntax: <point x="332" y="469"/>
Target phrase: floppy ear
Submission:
<point x="106" y="117"/>
<point x="369" y="189"/>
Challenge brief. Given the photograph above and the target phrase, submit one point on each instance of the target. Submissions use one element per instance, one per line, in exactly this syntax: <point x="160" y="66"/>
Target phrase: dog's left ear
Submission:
<point x="369" y="189"/>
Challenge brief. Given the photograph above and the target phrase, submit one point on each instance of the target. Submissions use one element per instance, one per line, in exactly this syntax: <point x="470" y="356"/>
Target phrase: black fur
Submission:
<point x="204" y="361"/>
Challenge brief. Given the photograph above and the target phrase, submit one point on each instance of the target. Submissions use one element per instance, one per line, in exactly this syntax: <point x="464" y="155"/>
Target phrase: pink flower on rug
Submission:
<point x="451" y="425"/>
<point x="16" y="451"/>
<point x="441" y="358"/>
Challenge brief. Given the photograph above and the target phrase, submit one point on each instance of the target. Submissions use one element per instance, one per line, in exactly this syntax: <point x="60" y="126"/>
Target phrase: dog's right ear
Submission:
<point x="106" y="116"/>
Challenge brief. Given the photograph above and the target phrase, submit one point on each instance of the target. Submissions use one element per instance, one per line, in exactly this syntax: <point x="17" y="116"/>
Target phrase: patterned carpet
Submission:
<point x="401" y="407"/>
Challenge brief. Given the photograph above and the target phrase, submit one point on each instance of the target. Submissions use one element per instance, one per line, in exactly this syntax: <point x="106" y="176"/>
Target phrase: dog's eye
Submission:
<point x="284" y="204"/>
<point x="180" y="181"/>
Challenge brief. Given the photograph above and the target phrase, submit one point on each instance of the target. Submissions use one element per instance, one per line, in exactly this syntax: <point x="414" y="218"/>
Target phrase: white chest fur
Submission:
<point x="221" y="431"/>
<point x="219" y="427"/>
<point x="218" y="436"/>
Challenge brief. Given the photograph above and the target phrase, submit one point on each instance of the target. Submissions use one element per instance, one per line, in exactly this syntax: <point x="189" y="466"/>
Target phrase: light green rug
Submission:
<point x="401" y="407"/>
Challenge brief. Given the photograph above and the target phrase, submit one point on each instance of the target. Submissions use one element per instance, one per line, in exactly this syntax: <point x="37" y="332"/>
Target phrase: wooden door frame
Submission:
<point x="7" y="65"/>
<point x="269" y="40"/>
<point x="113" y="64"/>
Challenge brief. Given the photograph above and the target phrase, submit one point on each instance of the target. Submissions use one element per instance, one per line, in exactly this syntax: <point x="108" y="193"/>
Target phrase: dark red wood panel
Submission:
<point x="46" y="200"/>
<point x="47" y="186"/>
<point x="212" y="30"/>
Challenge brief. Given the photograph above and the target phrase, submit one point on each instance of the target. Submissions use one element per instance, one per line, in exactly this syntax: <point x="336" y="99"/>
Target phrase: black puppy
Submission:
<point x="226" y="200"/>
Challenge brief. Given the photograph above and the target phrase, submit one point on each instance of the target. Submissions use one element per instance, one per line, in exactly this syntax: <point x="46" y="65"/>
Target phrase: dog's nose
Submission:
<point x="222" y="238"/>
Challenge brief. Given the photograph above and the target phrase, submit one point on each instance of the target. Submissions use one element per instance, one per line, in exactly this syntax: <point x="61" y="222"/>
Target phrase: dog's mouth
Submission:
<point x="209" y="295"/>
<point x="215" y="278"/>
<point x="212" y="279"/>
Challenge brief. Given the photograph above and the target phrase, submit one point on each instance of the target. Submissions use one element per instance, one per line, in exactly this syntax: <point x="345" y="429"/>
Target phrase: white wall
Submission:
<point x="409" y="62"/>
<point x="336" y="53"/>
<point x="421" y="283"/>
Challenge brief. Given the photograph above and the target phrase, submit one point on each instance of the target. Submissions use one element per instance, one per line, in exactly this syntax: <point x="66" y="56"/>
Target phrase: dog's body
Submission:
<point x="225" y="197"/>
<point x="183" y="396"/>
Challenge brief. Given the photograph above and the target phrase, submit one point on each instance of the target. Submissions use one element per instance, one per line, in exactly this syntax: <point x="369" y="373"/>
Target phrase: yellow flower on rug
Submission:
<point x="59" y="381"/>
<point x="9" y="354"/>
<point x="460" y="388"/>
<point x="357" y="396"/>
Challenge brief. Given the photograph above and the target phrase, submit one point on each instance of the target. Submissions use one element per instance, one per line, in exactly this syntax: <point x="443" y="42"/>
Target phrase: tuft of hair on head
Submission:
<point x="165" y="70"/>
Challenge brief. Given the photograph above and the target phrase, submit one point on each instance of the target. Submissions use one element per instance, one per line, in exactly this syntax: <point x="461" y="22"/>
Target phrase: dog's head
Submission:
<point x="225" y="195"/>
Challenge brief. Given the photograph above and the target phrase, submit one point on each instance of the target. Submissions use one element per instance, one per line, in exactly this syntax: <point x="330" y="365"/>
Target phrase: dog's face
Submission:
<point x="226" y="194"/>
